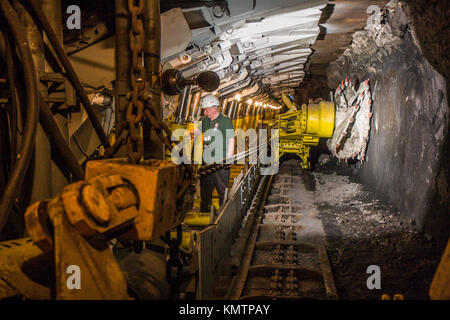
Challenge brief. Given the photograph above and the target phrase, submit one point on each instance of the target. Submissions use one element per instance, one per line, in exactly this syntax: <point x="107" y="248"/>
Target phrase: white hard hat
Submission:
<point x="210" y="101"/>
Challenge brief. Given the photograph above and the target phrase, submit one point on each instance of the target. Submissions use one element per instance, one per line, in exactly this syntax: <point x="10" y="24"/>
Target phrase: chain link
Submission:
<point x="141" y="108"/>
<point x="135" y="108"/>
<point x="174" y="265"/>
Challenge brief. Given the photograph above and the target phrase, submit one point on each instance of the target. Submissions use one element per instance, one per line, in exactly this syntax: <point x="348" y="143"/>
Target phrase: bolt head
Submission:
<point x="96" y="204"/>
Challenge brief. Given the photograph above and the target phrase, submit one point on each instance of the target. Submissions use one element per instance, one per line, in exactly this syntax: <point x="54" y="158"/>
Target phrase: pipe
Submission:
<point x="70" y="72"/>
<point x="14" y="103"/>
<point x="31" y="121"/>
<point x="195" y="105"/>
<point x="40" y="173"/>
<point x="236" y="113"/>
<point x="223" y="105"/>
<point x="184" y="105"/>
<point x="226" y="107"/>
<point x="250" y="110"/>
<point x="199" y="111"/>
<point x="232" y="109"/>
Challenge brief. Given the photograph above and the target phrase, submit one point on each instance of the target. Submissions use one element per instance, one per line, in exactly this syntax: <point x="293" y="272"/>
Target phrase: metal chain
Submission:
<point x="210" y="169"/>
<point x="174" y="265"/>
<point x="135" y="109"/>
<point x="139" y="107"/>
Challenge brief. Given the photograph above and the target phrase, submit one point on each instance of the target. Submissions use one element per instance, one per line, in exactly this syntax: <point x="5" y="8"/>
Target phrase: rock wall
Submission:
<point x="407" y="156"/>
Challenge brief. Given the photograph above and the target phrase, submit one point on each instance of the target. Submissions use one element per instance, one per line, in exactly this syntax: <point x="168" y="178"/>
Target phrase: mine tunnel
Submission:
<point x="335" y="187"/>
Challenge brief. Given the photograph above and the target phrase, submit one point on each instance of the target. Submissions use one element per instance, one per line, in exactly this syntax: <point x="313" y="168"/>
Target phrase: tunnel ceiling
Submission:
<point x="259" y="48"/>
<point x="340" y="20"/>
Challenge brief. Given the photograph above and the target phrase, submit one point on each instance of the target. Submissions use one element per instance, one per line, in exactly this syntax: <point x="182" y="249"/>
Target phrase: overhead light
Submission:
<point x="250" y="101"/>
<point x="237" y="97"/>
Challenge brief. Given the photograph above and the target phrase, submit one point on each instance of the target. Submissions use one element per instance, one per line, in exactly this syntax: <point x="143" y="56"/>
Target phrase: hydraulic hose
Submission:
<point x="26" y="150"/>
<point x="14" y="103"/>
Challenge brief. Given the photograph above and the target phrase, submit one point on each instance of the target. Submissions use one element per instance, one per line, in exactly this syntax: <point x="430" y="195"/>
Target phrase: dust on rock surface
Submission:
<point x="361" y="231"/>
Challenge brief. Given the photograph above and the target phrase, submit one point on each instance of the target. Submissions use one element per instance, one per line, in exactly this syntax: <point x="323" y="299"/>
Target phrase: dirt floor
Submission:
<point x="362" y="231"/>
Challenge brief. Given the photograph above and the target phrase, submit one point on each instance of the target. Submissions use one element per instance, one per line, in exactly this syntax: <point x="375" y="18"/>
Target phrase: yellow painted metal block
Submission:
<point x="198" y="219"/>
<point x="156" y="183"/>
<point x="187" y="239"/>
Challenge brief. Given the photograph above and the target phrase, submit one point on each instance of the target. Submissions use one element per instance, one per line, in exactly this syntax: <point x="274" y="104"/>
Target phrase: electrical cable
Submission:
<point x="88" y="157"/>
<point x="26" y="150"/>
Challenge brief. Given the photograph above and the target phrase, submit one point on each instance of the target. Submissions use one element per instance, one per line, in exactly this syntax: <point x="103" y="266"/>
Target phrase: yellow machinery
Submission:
<point x="173" y="126"/>
<point x="246" y="120"/>
<point x="238" y="120"/>
<point x="301" y="129"/>
<point x="116" y="199"/>
<point x="440" y="287"/>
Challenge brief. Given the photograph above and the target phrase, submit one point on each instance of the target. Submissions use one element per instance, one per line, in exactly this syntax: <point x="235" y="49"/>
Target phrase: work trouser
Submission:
<point x="218" y="179"/>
